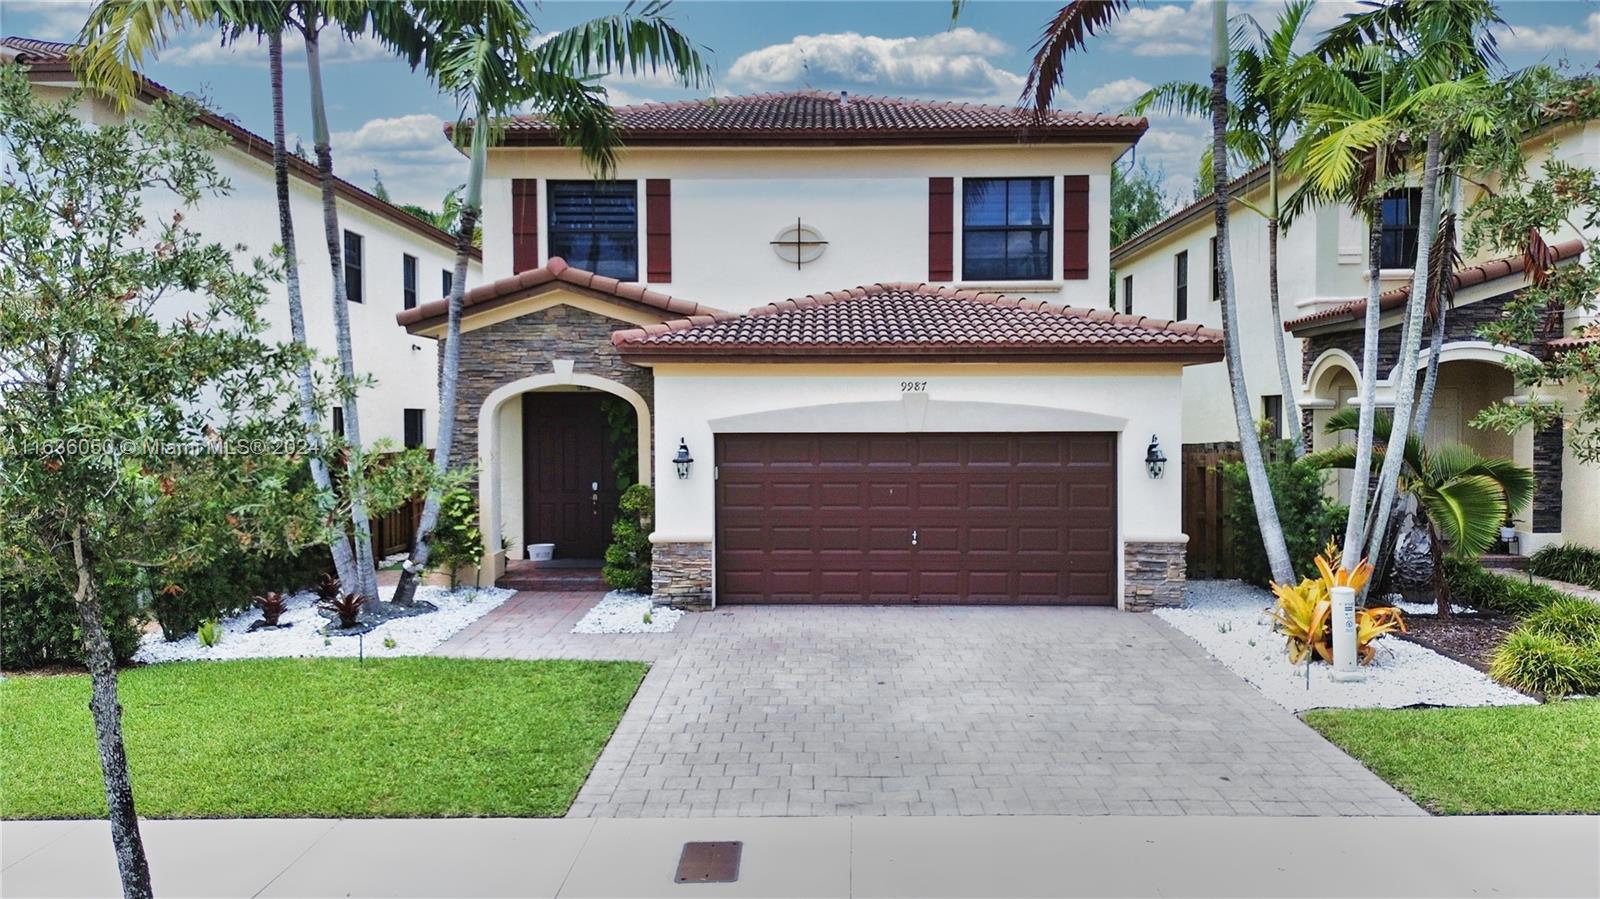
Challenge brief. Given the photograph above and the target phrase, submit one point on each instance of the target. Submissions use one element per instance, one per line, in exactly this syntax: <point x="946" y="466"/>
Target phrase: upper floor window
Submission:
<point x="354" y="289"/>
<point x="1272" y="414"/>
<point x="447" y="282"/>
<point x="338" y="421"/>
<point x="1006" y="225"/>
<point x="1127" y="294"/>
<point x="1401" y="211"/>
<point x="1216" y="273"/>
<point x="408" y="279"/>
<point x="1180" y="286"/>
<point x="413" y="428"/>
<point x="594" y="225"/>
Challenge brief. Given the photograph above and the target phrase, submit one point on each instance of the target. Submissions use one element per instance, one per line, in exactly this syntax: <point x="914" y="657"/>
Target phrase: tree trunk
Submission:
<point x="1291" y="402"/>
<point x="107" y="713"/>
<point x="365" y="575"/>
<point x="1430" y="381"/>
<point x="1405" y="379"/>
<point x="449" y="377"/>
<point x="1361" y="476"/>
<point x="1441" y="587"/>
<point x="1249" y="441"/>
<point x="338" y="544"/>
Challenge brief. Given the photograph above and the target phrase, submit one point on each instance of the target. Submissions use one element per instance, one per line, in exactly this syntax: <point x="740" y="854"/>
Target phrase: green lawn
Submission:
<point x="319" y="737"/>
<point x="1511" y="759"/>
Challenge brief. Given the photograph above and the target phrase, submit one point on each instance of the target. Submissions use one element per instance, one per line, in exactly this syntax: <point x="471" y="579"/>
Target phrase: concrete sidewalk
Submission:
<point x="921" y="857"/>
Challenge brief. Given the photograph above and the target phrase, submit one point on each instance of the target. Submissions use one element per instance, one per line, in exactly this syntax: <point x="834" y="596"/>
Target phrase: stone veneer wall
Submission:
<point x="1461" y="323"/>
<point x="1154" y="573"/>
<point x="680" y="573"/>
<point x="504" y="352"/>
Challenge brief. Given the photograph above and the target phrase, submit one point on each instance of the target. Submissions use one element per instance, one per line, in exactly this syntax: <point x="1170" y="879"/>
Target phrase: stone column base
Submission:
<point x="1154" y="573"/>
<point x="680" y="573"/>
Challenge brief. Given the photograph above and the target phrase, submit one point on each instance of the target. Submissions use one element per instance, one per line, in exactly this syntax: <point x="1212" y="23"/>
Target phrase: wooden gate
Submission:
<point x="1206" y="496"/>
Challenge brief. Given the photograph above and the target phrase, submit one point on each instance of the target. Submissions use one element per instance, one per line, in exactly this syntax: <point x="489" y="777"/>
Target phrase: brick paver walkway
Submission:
<point x="828" y="710"/>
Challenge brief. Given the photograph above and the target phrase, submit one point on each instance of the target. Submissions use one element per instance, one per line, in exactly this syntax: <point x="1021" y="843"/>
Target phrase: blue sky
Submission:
<point x="388" y="118"/>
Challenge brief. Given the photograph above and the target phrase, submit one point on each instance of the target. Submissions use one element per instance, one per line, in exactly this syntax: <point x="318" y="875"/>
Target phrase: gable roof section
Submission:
<point x="811" y="117"/>
<point x="49" y="59"/>
<point x="884" y="320"/>
<point x="553" y="274"/>
<point x="1468" y="276"/>
<point x="1177" y="221"/>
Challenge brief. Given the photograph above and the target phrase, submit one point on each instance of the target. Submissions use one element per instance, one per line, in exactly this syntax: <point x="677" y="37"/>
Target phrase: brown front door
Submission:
<point x="569" y="495"/>
<point x="930" y="518"/>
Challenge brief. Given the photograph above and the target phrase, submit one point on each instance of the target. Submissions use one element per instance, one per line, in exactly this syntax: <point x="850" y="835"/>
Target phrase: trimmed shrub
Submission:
<point x="456" y="540"/>
<point x="628" y="557"/>
<point x="1471" y="585"/>
<point x="39" y="622"/>
<point x="1568" y="562"/>
<point x="227" y="586"/>
<point x="1541" y="664"/>
<point x="1305" y="513"/>
<point x="1569" y="619"/>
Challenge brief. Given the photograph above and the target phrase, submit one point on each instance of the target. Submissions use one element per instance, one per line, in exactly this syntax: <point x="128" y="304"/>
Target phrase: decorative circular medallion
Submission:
<point x="799" y="244"/>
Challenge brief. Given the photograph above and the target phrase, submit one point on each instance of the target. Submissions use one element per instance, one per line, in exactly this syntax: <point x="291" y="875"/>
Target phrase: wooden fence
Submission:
<point x="1206" y="495"/>
<point x="397" y="531"/>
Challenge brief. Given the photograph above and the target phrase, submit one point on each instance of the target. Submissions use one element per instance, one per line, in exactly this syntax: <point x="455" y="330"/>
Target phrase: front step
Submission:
<point x="1503" y="561"/>
<point x="526" y="576"/>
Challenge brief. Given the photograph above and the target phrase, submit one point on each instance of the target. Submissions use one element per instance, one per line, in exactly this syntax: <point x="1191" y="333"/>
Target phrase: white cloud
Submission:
<point x="1113" y="96"/>
<point x="411" y="153"/>
<point x="951" y="64"/>
<point x="1559" y="40"/>
<point x="54" y="21"/>
<point x="1165" y="30"/>
<point x="208" y="50"/>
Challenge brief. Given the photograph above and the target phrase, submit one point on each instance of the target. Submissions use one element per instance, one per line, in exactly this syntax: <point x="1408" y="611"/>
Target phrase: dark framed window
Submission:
<point x="353" y="258"/>
<point x="413" y="428"/>
<point x="1272" y="414"/>
<point x="447" y="282"/>
<point x="1006" y="225"/>
<point x="1180" y="286"/>
<point x="408" y="279"/>
<point x="1127" y="294"/>
<point x="1401" y="211"/>
<point x="594" y="225"/>
<point x="1216" y="273"/>
<point x="338" y="421"/>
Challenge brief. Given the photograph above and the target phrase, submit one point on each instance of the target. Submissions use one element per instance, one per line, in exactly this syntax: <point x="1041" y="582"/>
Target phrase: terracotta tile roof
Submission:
<point x="1585" y="338"/>
<point x="1469" y="276"/>
<point x="50" y="58"/>
<point x="921" y="320"/>
<point x="556" y="271"/>
<point x="824" y="117"/>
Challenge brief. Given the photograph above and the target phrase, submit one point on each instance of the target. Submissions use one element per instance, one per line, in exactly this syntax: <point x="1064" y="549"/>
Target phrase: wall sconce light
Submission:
<point x="1154" y="461"/>
<point x="682" y="460"/>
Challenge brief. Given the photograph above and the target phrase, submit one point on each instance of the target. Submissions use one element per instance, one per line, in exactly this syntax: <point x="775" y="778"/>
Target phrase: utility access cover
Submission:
<point x="710" y="862"/>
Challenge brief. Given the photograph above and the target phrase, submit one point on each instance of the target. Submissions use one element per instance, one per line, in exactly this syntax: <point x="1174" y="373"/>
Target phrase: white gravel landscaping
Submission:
<point x="622" y="612"/>
<point x="411" y="636"/>
<point x="1229" y="619"/>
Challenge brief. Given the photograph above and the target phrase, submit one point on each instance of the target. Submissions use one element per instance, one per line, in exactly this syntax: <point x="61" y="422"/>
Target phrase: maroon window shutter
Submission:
<point x="941" y="229"/>
<point x="658" y="230"/>
<point x="524" y="224"/>
<point x="1075" y="227"/>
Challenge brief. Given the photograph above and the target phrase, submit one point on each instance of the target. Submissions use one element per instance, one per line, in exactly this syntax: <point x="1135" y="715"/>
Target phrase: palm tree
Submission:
<point x="1463" y="496"/>
<point x="1265" y="113"/>
<point x="117" y="38"/>
<point x="479" y="52"/>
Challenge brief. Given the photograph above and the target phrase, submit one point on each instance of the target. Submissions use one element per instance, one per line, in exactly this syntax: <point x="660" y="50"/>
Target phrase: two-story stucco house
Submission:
<point x="393" y="260"/>
<point x="1166" y="271"/>
<point x="926" y="400"/>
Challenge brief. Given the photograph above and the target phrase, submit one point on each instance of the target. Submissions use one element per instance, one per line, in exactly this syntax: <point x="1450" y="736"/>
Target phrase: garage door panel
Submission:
<point x="1000" y="518"/>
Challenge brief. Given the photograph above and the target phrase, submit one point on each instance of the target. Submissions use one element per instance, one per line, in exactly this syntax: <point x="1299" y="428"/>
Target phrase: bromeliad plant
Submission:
<point x="272" y="605"/>
<point x="347" y="608"/>
<point x="1304" y="611"/>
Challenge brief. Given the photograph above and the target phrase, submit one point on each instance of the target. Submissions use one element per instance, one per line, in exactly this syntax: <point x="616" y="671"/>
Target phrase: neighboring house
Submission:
<point x="393" y="260"/>
<point x="969" y="425"/>
<point x="1323" y="285"/>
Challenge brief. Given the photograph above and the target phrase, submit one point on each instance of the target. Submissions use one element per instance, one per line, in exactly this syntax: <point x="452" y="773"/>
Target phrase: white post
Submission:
<point x="1344" y="635"/>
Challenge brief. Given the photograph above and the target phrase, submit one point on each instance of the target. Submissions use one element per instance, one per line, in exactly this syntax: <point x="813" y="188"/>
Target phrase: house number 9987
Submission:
<point x="913" y="386"/>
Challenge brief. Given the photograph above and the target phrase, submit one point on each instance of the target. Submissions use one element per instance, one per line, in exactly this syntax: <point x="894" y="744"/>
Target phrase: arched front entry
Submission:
<point x="556" y="421"/>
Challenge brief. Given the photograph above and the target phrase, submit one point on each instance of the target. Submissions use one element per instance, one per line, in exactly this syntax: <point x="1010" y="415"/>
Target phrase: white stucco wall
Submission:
<point x="695" y="402"/>
<point x="403" y="367"/>
<point x="870" y="204"/>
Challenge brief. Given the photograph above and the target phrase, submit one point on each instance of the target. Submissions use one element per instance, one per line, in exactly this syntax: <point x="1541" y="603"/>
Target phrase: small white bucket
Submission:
<point x="541" y="552"/>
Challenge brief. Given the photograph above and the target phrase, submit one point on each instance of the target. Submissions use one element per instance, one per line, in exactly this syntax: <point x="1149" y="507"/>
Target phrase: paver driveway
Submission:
<point x="829" y="710"/>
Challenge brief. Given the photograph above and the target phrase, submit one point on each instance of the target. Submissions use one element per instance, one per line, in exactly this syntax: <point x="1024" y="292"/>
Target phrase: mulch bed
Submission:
<point x="1469" y="638"/>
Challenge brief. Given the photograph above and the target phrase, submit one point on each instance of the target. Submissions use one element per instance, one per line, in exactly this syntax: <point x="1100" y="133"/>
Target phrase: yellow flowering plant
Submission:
<point x="1304" y="611"/>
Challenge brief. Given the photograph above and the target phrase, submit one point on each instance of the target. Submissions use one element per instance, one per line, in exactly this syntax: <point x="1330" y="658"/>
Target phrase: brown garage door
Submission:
<point x="930" y="518"/>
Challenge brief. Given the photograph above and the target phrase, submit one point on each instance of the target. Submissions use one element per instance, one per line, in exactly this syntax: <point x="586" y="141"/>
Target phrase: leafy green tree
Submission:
<point x="1136" y="201"/>
<point x="1464" y="497"/>
<point x="482" y="54"/>
<point x="628" y="557"/>
<point x="143" y="423"/>
<point x="1308" y="517"/>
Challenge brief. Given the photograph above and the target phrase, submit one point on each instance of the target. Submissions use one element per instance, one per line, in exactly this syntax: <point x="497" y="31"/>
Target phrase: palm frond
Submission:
<point x="1173" y="98"/>
<point x="642" y="42"/>
<point x="1068" y="30"/>
<point x="120" y="36"/>
<point x="1466" y="511"/>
